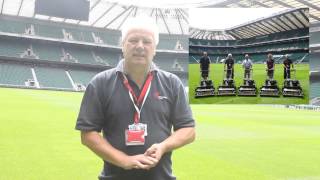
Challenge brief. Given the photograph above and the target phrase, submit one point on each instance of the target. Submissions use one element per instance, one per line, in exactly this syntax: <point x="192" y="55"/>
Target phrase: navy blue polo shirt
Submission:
<point x="107" y="107"/>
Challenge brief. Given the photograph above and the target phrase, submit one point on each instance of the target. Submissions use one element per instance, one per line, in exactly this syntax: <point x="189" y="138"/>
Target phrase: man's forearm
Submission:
<point x="94" y="141"/>
<point x="179" y="138"/>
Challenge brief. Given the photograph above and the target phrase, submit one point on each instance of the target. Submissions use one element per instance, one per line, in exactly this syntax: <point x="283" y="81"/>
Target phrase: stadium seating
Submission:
<point x="80" y="55"/>
<point x="49" y="31"/>
<point x="183" y="62"/>
<point x="12" y="48"/>
<point x="47" y="51"/>
<point x="109" y="37"/>
<point x="172" y="63"/>
<point x="75" y="34"/>
<point x="87" y="36"/>
<point x="52" y="78"/>
<point x="14" y="74"/>
<point x="12" y="26"/>
<point x="49" y="44"/>
<point x="82" y="77"/>
<point x="169" y="42"/>
<point x="111" y="58"/>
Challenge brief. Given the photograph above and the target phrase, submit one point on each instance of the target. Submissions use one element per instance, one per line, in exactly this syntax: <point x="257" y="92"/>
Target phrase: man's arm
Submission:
<point x="178" y="139"/>
<point x="94" y="141"/>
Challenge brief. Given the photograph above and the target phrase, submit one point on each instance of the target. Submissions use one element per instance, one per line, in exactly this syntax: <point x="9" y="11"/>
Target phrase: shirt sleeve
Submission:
<point x="90" y="117"/>
<point x="181" y="112"/>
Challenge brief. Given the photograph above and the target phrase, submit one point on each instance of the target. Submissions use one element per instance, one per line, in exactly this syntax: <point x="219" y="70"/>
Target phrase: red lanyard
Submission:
<point x="138" y="102"/>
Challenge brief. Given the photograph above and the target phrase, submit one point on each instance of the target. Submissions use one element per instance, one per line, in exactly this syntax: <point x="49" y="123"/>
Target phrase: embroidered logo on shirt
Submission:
<point x="162" y="97"/>
<point x="157" y="96"/>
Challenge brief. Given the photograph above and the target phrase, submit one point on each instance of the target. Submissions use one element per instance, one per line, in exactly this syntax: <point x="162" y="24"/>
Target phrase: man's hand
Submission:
<point x="155" y="151"/>
<point x="140" y="161"/>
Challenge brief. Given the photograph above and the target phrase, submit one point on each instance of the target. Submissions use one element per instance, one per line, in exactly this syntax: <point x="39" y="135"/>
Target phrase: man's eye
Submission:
<point x="133" y="40"/>
<point x="147" y="42"/>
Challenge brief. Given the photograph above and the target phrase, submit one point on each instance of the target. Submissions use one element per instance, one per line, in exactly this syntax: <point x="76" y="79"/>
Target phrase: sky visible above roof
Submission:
<point x="225" y="18"/>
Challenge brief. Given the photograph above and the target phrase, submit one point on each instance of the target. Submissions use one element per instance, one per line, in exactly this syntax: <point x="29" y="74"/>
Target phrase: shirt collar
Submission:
<point x="120" y="66"/>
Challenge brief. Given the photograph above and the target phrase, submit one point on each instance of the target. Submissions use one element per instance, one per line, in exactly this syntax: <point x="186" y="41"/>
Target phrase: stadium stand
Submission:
<point x="47" y="51"/>
<point x="107" y="57"/>
<point x="52" y="78"/>
<point x="13" y="48"/>
<point x="14" y="74"/>
<point x="78" y="55"/>
<point x="12" y="26"/>
<point x="48" y="31"/>
<point x="63" y="53"/>
<point x="82" y="76"/>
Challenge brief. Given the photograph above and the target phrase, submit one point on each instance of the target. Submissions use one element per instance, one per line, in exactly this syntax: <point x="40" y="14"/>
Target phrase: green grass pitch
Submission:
<point x="254" y="142"/>
<point x="259" y="75"/>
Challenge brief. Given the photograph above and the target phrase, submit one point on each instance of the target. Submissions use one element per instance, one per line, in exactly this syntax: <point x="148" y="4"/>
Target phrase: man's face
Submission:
<point x="205" y="54"/>
<point x="139" y="47"/>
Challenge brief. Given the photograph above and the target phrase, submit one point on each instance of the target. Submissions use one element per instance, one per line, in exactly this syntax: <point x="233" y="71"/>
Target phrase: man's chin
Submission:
<point x="139" y="60"/>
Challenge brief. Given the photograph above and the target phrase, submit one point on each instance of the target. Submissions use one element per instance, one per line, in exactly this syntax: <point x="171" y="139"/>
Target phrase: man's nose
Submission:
<point x="140" y="45"/>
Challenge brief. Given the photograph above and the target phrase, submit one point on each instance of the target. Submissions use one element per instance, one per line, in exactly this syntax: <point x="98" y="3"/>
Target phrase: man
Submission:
<point x="287" y="64"/>
<point x="136" y="105"/>
<point x="247" y="66"/>
<point x="228" y="66"/>
<point x="270" y="66"/>
<point x="205" y="65"/>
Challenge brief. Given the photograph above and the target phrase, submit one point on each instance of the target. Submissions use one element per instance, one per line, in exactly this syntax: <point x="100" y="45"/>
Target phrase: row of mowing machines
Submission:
<point x="290" y="88"/>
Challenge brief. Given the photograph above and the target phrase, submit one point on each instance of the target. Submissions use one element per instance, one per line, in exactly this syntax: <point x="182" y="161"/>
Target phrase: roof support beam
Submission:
<point x="109" y="9"/>
<point x="124" y="19"/>
<point x="260" y="4"/>
<point x="309" y="4"/>
<point x="293" y="23"/>
<point x="275" y="22"/>
<point x="285" y="23"/>
<point x="95" y="4"/>
<point x="256" y="29"/>
<point x="125" y="10"/>
<point x="225" y="3"/>
<point x="243" y="32"/>
<point x="283" y="4"/>
<point x="304" y="15"/>
<point x="2" y="6"/>
<point x="298" y="19"/>
<point x="165" y="22"/>
<point x="258" y="33"/>
<point x="178" y="17"/>
<point x="20" y="6"/>
<point x="281" y="24"/>
<point x="235" y="35"/>
<point x="183" y="14"/>
<point x="264" y="28"/>
<point x="267" y="22"/>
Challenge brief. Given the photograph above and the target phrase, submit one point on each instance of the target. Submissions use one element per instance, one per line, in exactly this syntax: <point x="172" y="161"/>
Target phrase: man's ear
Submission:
<point x="122" y="44"/>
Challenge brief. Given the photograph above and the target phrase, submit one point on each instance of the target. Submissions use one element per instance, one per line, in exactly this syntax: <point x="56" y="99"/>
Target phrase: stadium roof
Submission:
<point x="196" y="33"/>
<point x="313" y="5"/>
<point x="112" y="15"/>
<point x="171" y="16"/>
<point x="287" y="20"/>
<point x="284" y="21"/>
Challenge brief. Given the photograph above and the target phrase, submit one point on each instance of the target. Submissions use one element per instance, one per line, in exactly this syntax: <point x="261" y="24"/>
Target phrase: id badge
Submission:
<point x="135" y="134"/>
<point x="139" y="126"/>
<point x="134" y="137"/>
